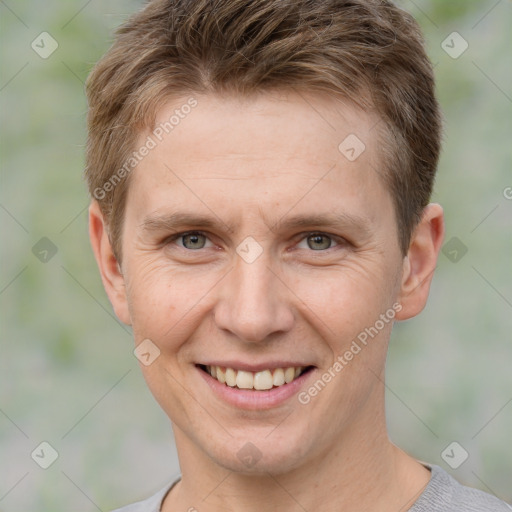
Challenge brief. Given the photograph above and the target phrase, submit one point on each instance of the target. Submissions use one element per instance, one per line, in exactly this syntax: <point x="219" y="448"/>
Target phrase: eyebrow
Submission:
<point x="176" y="220"/>
<point x="171" y="221"/>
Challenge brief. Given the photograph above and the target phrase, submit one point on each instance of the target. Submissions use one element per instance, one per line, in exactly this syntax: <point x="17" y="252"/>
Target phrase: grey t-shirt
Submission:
<point x="442" y="494"/>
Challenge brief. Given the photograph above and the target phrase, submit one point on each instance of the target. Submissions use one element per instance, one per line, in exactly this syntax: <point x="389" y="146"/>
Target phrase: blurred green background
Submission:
<point x="67" y="372"/>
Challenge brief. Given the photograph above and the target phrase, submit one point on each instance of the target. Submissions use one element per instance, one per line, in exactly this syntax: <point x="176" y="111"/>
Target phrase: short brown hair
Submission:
<point x="366" y="51"/>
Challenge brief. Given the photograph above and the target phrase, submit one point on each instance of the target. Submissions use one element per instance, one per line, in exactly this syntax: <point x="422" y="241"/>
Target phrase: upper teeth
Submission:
<point x="265" y="379"/>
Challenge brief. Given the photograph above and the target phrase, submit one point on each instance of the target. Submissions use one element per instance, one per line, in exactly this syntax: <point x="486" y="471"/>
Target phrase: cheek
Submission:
<point x="164" y="300"/>
<point x="167" y="302"/>
<point x="345" y="300"/>
<point x="151" y="297"/>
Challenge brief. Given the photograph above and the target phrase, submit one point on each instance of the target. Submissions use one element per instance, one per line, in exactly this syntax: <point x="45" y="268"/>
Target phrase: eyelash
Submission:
<point x="338" y="240"/>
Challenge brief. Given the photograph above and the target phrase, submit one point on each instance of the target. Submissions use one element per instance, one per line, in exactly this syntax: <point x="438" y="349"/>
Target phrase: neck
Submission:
<point x="362" y="471"/>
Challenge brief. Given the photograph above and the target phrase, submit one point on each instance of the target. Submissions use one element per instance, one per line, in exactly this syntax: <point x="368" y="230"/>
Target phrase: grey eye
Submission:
<point x="194" y="240"/>
<point x="318" y="241"/>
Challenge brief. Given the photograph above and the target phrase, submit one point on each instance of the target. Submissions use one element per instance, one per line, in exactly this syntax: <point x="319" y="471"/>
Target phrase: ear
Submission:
<point x="420" y="262"/>
<point x="111" y="275"/>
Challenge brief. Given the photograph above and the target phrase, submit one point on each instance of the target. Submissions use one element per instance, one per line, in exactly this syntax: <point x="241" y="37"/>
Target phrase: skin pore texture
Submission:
<point x="252" y="166"/>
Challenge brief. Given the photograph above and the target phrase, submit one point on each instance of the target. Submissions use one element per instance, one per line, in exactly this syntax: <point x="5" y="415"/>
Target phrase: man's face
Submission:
<point x="297" y="255"/>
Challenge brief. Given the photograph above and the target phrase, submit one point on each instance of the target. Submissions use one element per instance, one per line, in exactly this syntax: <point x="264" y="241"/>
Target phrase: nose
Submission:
<point x="254" y="303"/>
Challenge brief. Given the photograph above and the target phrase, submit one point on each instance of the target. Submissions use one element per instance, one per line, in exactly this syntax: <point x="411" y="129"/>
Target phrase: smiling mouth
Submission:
<point x="257" y="381"/>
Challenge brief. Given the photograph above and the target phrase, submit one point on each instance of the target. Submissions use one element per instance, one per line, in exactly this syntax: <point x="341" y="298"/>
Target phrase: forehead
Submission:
<point x="268" y="124"/>
<point x="273" y="150"/>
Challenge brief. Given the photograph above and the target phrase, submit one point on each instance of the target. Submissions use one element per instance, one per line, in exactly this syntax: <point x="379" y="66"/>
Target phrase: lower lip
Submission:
<point x="252" y="399"/>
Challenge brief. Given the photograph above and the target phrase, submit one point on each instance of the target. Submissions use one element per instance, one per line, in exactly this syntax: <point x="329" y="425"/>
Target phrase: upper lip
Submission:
<point x="255" y="367"/>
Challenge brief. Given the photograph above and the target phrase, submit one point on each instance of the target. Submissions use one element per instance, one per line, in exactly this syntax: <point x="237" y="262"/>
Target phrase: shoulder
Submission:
<point x="445" y="494"/>
<point x="152" y="504"/>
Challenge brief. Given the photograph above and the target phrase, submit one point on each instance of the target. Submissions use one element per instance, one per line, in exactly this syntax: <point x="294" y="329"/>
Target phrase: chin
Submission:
<point x="259" y="455"/>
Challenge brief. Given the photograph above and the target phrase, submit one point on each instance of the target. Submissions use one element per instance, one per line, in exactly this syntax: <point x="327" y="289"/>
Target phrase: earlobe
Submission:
<point x="111" y="275"/>
<point x="421" y="261"/>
